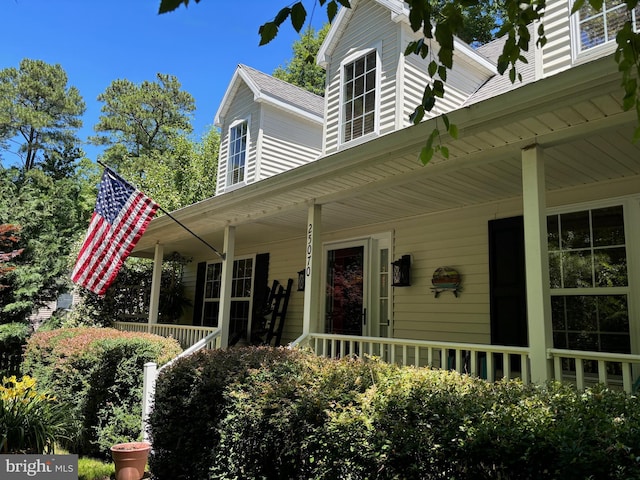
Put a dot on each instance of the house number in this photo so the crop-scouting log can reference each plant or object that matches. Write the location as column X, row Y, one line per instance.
column 309, row 249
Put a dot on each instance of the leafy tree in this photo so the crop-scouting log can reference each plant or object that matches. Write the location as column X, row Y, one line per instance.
column 40, row 114
column 301, row 69
column 8, row 237
column 142, row 119
column 146, row 128
column 52, row 213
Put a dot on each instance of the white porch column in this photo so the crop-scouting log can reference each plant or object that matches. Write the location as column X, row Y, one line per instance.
column 224, row 314
column 536, row 262
column 156, row 278
column 313, row 259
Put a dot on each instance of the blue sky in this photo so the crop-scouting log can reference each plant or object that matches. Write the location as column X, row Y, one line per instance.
column 97, row 41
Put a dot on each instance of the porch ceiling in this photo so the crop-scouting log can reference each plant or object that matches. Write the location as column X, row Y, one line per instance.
column 579, row 123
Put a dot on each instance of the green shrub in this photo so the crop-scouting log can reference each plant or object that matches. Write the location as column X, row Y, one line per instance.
column 31, row 420
column 99, row 372
column 13, row 337
column 273, row 413
column 94, row 469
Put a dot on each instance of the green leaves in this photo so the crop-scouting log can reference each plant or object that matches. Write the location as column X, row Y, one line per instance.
column 627, row 57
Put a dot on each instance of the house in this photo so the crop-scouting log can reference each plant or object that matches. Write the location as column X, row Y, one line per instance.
column 522, row 247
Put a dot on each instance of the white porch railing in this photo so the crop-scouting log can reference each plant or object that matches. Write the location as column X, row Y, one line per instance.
column 583, row 368
column 491, row 362
column 151, row 372
column 186, row 335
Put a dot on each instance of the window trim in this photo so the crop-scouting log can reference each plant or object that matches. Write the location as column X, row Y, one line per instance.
column 631, row 212
column 228, row 174
column 342, row 143
column 249, row 299
column 583, row 56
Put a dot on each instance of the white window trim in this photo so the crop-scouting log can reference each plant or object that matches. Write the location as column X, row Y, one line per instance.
column 206, row 299
column 584, row 56
column 377, row 47
column 631, row 209
column 228, row 185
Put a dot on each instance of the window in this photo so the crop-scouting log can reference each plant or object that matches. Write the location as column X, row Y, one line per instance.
column 599, row 27
column 241, row 287
column 589, row 281
column 237, row 153
column 359, row 97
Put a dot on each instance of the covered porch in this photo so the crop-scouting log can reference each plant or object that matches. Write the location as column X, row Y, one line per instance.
column 532, row 152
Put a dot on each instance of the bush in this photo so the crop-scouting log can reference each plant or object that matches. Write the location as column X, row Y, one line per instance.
column 274, row 413
column 13, row 336
column 31, row 421
column 99, row 373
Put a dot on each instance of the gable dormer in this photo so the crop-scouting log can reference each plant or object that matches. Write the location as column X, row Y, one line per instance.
column 582, row 37
column 267, row 126
column 372, row 87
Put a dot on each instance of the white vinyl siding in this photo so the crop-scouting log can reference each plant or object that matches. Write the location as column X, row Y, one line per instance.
column 556, row 54
column 243, row 108
column 287, row 142
column 370, row 27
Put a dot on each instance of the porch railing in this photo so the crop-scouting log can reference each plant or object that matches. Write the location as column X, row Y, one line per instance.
column 151, row 372
column 186, row 335
column 491, row 362
column 585, row 368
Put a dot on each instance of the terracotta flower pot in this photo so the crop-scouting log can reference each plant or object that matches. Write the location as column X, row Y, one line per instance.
column 130, row 459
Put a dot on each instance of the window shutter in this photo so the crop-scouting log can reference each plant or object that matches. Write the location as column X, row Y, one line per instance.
column 261, row 281
column 199, row 297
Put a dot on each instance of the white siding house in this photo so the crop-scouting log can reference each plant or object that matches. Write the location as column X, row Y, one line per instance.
column 533, row 219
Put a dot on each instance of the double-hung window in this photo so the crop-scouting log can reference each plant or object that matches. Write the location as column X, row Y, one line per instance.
column 359, row 91
column 597, row 27
column 238, row 136
column 241, row 288
column 589, row 280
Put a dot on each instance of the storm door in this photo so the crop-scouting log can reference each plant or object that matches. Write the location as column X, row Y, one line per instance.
column 346, row 288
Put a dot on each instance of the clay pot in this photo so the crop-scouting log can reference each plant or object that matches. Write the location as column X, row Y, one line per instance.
column 130, row 459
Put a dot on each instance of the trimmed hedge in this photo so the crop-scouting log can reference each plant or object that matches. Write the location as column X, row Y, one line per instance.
column 277, row 413
column 99, row 373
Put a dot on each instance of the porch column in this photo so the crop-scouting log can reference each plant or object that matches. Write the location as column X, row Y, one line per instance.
column 224, row 314
column 536, row 262
column 156, row 278
column 313, row 257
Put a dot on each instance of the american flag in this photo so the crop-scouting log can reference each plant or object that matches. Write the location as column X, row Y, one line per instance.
column 119, row 219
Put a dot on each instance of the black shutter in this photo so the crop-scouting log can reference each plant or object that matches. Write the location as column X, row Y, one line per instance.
column 507, row 282
column 261, row 282
column 199, row 296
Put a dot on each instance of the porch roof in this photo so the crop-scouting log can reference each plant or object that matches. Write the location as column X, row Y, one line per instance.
column 576, row 116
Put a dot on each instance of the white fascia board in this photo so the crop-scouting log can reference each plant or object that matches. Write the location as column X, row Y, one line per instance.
column 226, row 99
column 473, row 56
column 276, row 102
column 326, row 49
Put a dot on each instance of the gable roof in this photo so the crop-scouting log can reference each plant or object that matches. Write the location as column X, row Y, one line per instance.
column 499, row 84
column 272, row 91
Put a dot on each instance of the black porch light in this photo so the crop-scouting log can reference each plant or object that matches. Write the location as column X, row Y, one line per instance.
column 401, row 270
column 301, row 275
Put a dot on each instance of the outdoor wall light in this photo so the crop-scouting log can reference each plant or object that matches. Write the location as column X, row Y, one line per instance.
column 401, row 271
column 301, row 275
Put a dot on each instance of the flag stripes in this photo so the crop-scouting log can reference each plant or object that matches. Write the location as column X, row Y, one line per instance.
column 120, row 218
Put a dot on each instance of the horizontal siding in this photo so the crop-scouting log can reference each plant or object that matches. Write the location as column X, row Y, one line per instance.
column 287, row 142
column 369, row 24
column 242, row 106
column 556, row 54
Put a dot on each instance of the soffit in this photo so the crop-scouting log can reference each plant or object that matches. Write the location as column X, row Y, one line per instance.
column 583, row 131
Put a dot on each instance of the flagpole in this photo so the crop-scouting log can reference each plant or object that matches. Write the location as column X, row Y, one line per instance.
column 221, row 255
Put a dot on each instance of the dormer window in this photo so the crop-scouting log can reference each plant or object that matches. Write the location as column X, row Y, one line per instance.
column 237, row 153
column 359, row 96
column 597, row 27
